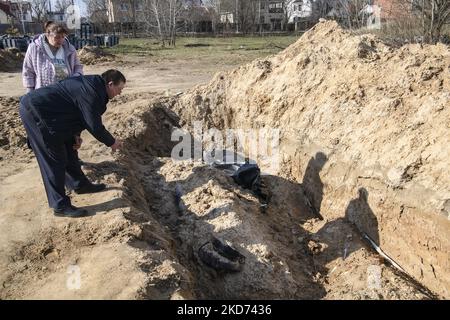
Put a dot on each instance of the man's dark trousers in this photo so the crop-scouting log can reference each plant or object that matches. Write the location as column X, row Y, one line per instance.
column 58, row 161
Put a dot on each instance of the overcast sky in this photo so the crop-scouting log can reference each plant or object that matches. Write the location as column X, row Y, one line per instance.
column 82, row 6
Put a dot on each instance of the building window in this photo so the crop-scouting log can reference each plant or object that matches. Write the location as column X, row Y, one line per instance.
column 226, row 18
column 276, row 7
column 124, row 6
column 276, row 24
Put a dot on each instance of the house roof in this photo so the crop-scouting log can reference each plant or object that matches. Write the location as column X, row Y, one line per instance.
column 6, row 9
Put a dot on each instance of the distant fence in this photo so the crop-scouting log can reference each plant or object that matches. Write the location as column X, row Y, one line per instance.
column 22, row 43
column 104, row 40
column 85, row 36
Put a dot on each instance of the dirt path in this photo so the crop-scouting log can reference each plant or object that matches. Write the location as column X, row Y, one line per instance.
column 143, row 75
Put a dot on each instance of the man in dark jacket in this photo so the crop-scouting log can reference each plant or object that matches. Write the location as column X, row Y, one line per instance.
column 53, row 116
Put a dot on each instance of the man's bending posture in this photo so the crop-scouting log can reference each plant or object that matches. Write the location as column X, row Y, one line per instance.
column 53, row 116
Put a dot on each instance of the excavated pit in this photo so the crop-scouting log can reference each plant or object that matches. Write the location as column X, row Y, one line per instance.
column 289, row 252
column 364, row 128
column 363, row 142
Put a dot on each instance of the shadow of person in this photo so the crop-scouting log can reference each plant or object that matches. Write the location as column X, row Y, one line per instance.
column 343, row 236
column 360, row 214
column 105, row 207
column 312, row 184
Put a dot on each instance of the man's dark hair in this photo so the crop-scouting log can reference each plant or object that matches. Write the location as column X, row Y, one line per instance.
column 113, row 75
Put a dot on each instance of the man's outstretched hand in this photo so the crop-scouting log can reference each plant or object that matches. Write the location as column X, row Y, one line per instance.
column 78, row 142
column 117, row 145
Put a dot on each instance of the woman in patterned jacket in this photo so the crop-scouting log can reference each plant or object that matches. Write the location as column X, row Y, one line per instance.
column 50, row 58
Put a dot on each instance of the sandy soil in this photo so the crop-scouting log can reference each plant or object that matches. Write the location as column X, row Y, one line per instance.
column 136, row 244
column 364, row 128
column 144, row 234
column 39, row 252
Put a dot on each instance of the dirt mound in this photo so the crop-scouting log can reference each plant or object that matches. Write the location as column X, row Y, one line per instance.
column 13, row 142
column 93, row 55
column 11, row 59
column 363, row 126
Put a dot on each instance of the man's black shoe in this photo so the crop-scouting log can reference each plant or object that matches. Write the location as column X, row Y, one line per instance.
column 90, row 188
column 70, row 212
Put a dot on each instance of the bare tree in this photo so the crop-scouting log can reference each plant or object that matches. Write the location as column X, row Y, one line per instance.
column 213, row 10
column 349, row 12
column 415, row 20
column 231, row 8
column 133, row 20
column 160, row 18
column 288, row 10
column 194, row 14
column 434, row 15
column 245, row 13
column 128, row 17
column 39, row 9
column 62, row 5
column 321, row 8
column 248, row 15
column 97, row 12
column 405, row 19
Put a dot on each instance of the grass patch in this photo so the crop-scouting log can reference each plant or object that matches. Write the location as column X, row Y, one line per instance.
column 211, row 48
